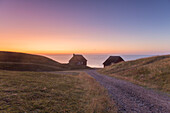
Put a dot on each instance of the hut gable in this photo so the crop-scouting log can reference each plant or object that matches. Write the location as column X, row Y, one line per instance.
column 78, row 60
column 112, row 59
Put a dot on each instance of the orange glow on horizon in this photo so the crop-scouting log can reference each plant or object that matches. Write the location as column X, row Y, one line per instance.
column 82, row 52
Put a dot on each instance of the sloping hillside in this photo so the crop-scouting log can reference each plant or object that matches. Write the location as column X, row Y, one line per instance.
column 26, row 58
column 153, row 72
column 27, row 62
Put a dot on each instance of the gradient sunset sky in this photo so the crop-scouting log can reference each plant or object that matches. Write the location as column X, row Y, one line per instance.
column 85, row 26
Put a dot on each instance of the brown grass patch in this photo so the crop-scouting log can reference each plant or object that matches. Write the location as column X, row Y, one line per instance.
column 100, row 101
column 48, row 92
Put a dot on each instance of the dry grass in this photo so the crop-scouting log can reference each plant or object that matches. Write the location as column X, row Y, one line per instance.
column 48, row 92
column 153, row 72
column 99, row 101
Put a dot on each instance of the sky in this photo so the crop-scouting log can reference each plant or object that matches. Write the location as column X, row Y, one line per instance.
column 85, row 26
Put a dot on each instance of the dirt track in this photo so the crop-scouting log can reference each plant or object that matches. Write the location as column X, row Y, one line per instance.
column 132, row 98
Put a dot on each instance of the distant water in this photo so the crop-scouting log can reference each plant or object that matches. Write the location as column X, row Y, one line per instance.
column 94, row 60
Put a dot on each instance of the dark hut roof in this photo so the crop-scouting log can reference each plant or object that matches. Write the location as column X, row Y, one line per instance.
column 113, row 59
column 77, row 58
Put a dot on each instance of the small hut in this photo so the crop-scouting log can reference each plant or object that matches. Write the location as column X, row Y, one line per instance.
column 78, row 60
column 112, row 60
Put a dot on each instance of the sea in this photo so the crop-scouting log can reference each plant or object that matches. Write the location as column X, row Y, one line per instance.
column 94, row 60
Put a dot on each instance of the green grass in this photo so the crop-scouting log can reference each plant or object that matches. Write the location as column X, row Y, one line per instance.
column 49, row 92
column 152, row 72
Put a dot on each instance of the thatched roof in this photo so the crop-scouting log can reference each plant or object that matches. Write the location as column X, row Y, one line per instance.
column 77, row 58
column 113, row 59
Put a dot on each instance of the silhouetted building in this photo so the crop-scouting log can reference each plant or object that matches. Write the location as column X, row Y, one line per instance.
column 112, row 60
column 78, row 60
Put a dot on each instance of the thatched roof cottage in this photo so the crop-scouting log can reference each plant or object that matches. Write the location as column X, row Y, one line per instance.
column 113, row 59
column 78, row 60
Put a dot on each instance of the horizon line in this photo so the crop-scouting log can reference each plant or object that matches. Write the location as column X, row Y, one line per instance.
column 109, row 53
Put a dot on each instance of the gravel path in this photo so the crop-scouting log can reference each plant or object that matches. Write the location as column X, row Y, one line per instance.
column 132, row 98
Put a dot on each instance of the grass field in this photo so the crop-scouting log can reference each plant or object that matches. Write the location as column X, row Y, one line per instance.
column 152, row 72
column 49, row 92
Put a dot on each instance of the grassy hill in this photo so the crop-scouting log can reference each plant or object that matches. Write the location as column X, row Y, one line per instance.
column 153, row 72
column 26, row 58
column 27, row 62
column 37, row 92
